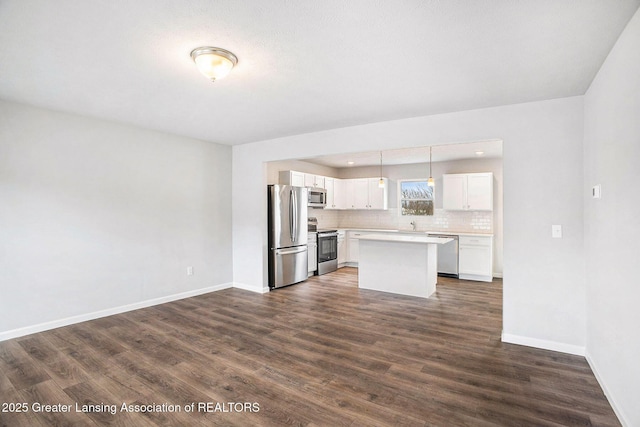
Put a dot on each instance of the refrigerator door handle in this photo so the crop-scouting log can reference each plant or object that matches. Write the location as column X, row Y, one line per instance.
column 290, row 251
column 293, row 217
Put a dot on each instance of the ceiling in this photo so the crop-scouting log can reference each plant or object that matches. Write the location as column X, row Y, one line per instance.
column 305, row 65
column 404, row 156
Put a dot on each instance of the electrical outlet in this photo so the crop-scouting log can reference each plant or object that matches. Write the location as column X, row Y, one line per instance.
column 556, row 231
column 189, row 271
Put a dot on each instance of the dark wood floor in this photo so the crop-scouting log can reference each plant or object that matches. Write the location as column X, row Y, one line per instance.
column 321, row 353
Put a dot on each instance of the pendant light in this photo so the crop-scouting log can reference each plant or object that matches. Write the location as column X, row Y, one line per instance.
column 381, row 182
column 430, row 181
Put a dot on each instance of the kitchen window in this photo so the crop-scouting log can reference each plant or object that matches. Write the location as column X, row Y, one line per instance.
column 415, row 197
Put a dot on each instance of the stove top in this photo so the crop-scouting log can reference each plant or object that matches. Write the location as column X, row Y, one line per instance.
column 327, row 230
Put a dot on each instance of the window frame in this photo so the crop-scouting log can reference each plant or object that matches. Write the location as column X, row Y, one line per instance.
column 400, row 198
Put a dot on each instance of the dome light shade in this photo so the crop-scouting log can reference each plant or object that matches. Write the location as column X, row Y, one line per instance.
column 213, row 62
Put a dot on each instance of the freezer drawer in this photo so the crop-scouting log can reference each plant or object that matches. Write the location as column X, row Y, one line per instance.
column 287, row 266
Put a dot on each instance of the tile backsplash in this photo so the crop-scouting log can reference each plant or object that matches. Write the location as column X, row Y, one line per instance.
column 441, row 220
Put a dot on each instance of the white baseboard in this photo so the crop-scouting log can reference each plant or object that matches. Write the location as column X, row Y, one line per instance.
column 619, row 413
column 497, row 275
column 260, row 290
column 475, row 277
column 40, row 327
column 543, row 344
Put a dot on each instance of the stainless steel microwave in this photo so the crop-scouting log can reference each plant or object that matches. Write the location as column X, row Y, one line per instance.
column 317, row 197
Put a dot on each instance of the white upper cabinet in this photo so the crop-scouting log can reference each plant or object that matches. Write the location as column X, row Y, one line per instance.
column 360, row 193
column 469, row 191
column 315, row 181
column 480, row 191
column 292, row 178
column 378, row 196
column 335, row 193
column 301, row 179
column 364, row 193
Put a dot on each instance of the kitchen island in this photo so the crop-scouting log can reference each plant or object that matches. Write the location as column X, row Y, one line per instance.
column 399, row 264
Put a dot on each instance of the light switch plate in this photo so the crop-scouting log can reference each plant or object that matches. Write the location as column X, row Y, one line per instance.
column 596, row 191
column 556, row 231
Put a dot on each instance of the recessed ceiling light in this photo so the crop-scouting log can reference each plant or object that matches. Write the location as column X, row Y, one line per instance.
column 351, row 163
column 479, row 153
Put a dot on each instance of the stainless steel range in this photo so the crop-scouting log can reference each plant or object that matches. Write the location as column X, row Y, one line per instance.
column 327, row 251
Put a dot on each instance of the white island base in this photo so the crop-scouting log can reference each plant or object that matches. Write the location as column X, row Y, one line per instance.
column 406, row 265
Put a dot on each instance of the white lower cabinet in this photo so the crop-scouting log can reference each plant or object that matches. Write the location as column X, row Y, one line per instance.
column 476, row 258
column 354, row 247
column 342, row 248
column 312, row 253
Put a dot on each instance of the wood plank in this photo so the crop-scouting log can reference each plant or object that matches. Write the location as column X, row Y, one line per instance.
column 322, row 352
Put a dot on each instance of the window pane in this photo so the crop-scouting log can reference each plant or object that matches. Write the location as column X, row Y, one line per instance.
column 416, row 190
column 417, row 207
column 416, row 198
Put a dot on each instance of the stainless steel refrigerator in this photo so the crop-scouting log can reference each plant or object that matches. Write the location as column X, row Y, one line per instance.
column 287, row 207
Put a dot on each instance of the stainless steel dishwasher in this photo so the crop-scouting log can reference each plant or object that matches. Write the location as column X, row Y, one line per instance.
column 448, row 256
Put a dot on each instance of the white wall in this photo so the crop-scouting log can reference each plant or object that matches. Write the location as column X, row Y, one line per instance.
column 96, row 216
column 612, row 225
column 544, row 290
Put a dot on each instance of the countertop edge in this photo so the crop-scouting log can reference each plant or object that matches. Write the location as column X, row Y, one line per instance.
column 382, row 230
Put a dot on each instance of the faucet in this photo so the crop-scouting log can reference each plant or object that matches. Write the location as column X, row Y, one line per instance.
column 414, row 225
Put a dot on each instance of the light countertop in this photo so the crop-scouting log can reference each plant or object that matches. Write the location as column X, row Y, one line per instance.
column 403, row 238
column 419, row 232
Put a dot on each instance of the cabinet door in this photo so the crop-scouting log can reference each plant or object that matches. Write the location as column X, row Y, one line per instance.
column 309, row 180
column 312, row 253
column 475, row 260
column 296, row 179
column 361, row 193
column 480, row 191
column 334, row 193
column 354, row 249
column 377, row 195
column 342, row 249
column 329, row 185
column 454, row 188
column 339, row 196
column 348, row 185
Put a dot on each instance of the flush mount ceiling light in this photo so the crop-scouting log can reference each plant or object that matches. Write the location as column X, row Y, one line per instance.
column 213, row 62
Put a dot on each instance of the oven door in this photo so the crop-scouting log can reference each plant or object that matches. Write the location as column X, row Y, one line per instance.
column 327, row 247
